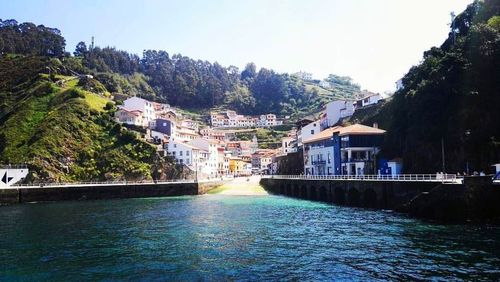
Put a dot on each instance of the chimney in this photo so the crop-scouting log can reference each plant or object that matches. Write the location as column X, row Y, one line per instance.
column 375, row 124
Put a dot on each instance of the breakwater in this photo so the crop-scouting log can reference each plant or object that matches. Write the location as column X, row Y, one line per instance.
column 475, row 199
column 14, row 195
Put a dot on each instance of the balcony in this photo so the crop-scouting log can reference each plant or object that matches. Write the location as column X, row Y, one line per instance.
column 356, row 160
column 320, row 162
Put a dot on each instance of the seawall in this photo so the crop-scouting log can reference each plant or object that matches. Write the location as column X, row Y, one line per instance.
column 477, row 199
column 97, row 192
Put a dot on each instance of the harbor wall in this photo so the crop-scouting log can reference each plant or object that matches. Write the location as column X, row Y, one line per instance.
column 97, row 192
column 473, row 200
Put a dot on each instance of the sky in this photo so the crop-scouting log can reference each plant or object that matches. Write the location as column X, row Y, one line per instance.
column 373, row 41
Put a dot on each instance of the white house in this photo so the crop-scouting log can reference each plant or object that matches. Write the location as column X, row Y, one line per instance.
column 288, row 145
column 146, row 107
column 211, row 146
column 193, row 157
column 310, row 129
column 336, row 110
column 132, row 117
column 369, row 99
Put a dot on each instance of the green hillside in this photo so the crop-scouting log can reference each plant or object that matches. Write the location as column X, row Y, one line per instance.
column 63, row 132
column 452, row 98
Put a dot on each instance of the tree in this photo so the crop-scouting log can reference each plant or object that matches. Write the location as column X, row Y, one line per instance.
column 250, row 72
column 80, row 50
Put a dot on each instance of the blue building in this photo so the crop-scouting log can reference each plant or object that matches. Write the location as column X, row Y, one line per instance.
column 355, row 148
column 164, row 126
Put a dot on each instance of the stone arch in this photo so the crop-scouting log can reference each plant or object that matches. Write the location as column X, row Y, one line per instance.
column 370, row 198
column 339, row 196
column 353, row 197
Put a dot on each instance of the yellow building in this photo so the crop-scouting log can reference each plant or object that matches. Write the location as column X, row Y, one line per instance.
column 238, row 167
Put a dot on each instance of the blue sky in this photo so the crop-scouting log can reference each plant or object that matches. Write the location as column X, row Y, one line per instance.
column 373, row 41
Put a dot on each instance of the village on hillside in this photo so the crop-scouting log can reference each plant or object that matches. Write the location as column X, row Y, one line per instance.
column 312, row 147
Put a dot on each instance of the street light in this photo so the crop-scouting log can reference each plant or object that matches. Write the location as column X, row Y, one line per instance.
column 467, row 136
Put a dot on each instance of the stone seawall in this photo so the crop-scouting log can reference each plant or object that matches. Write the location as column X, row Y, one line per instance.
column 96, row 192
column 473, row 200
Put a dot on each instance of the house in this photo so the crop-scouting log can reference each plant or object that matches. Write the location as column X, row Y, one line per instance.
column 318, row 153
column 325, row 84
column 211, row 146
column 310, row 129
column 335, row 111
column 238, row 167
column 222, row 161
column 288, row 145
column 303, row 75
column 242, row 147
column 185, row 154
column 369, row 99
column 209, row 133
column 261, row 159
column 146, row 107
column 233, row 119
column 355, row 148
column 132, row 117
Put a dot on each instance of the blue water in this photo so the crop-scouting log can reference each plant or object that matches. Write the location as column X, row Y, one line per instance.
column 216, row 237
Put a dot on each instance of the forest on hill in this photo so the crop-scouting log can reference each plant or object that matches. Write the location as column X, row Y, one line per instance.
column 179, row 80
column 450, row 101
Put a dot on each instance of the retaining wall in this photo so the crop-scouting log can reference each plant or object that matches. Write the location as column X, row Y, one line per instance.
column 474, row 200
column 46, row 194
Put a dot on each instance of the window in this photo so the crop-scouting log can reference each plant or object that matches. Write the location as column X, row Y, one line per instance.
column 175, row 145
column 312, row 131
column 180, row 153
column 187, row 153
column 329, row 161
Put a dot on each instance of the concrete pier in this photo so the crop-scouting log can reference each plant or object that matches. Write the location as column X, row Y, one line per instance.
column 476, row 199
column 14, row 195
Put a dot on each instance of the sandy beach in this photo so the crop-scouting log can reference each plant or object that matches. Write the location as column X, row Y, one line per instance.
column 243, row 186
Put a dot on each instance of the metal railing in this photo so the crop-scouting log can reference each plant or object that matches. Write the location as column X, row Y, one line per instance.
column 17, row 166
column 448, row 178
column 113, row 183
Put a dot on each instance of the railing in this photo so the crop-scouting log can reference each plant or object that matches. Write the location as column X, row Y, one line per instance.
column 116, row 183
column 18, row 166
column 449, row 178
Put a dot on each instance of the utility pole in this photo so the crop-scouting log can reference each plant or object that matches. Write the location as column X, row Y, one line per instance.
column 442, row 154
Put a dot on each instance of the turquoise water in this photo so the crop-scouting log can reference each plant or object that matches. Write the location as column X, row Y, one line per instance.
column 215, row 237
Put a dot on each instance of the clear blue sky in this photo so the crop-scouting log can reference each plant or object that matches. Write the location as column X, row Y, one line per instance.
column 373, row 41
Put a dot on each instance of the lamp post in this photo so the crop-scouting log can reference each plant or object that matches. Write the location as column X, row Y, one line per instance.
column 467, row 136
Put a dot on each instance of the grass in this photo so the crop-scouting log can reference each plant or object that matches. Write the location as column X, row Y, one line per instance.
column 65, row 134
column 95, row 101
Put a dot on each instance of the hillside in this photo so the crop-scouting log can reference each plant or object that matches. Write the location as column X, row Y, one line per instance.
column 64, row 132
column 452, row 97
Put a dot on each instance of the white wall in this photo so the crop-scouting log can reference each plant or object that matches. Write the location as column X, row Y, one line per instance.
column 136, row 103
column 310, row 129
column 10, row 176
column 338, row 109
